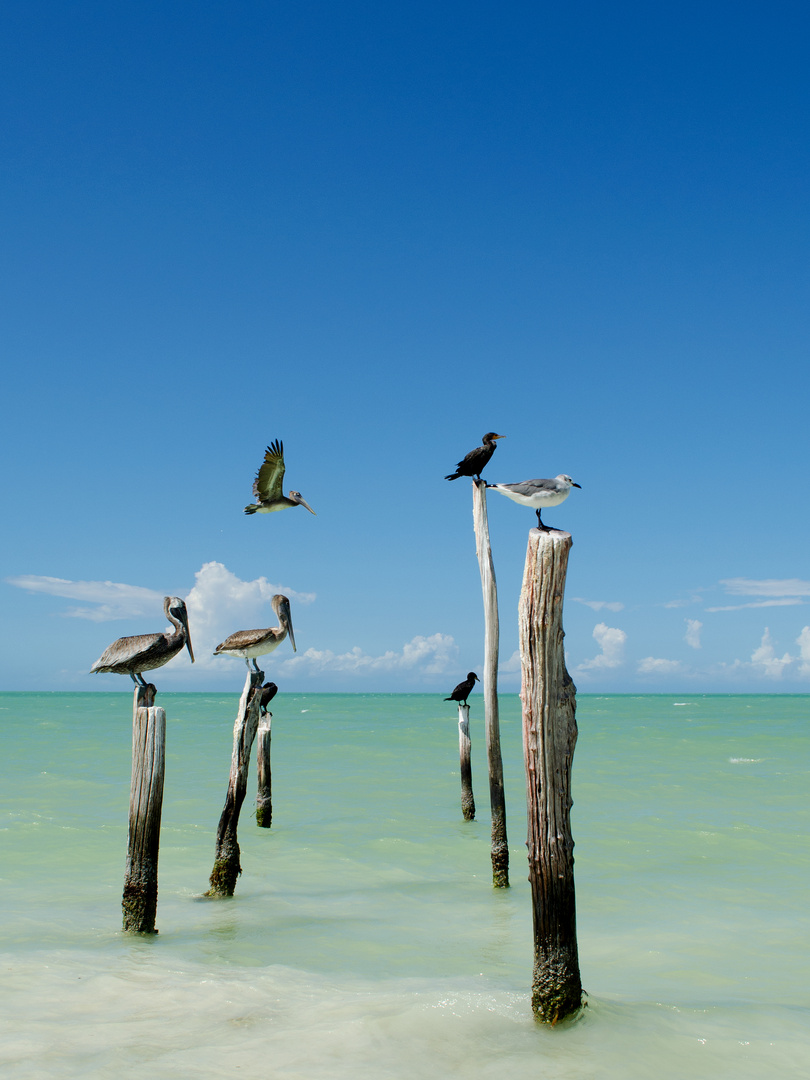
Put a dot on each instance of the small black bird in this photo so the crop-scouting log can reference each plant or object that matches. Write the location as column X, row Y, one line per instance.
column 472, row 464
column 269, row 691
column 464, row 689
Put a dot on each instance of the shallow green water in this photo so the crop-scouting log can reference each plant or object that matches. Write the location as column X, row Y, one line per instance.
column 365, row 939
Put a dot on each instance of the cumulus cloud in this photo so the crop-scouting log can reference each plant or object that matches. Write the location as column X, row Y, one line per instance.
column 803, row 641
column 433, row 655
column 651, row 665
column 112, row 599
column 221, row 603
column 773, row 592
column 692, row 635
column 599, row 605
column 512, row 665
column 611, row 641
column 765, row 660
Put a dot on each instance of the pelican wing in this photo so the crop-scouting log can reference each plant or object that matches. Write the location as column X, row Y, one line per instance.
column 270, row 476
column 127, row 649
column 242, row 639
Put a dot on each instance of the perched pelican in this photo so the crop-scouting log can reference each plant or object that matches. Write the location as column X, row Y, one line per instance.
column 269, row 691
column 267, row 485
column 464, row 689
column 252, row 643
column 472, row 464
column 134, row 655
column 538, row 493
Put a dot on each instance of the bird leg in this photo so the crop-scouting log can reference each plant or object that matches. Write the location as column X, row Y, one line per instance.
column 256, row 667
column 139, row 681
column 540, row 525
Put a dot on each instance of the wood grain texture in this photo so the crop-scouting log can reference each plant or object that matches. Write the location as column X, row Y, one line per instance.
column 497, row 799
column 227, row 865
column 264, row 796
column 145, row 806
column 549, row 737
column 465, row 764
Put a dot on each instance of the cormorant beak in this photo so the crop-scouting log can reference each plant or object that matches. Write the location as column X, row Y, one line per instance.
column 498, row 437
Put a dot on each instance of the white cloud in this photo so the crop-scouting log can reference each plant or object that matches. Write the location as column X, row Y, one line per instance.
column 611, row 641
column 433, row 655
column 766, row 587
column 113, row 600
column 693, row 599
column 765, row 659
column 598, row 605
column 512, row 665
column 220, row 603
column 692, row 635
column 803, row 641
column 651, row 665
column 787, row 602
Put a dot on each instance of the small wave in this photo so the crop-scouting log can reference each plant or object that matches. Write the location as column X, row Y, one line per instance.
column 305, row 710
column 746, row 760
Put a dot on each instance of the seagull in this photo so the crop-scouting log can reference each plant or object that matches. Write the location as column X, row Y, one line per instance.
column 538, row 493
column 252, row 643
column 472, row 464
column 464, row 689
column 269, row 691
column 145, row 652
column 267, row 485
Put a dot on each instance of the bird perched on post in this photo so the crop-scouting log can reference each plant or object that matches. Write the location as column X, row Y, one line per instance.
column 538, row 494
column 464, row 689
column 472, row 464
column 252, row 643
column 267, row 485
column 145, row 652
column 269, row 691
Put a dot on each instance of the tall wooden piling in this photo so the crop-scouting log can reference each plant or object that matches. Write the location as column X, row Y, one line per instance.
column 500, row 846
column 145, row 805
column 549, row 736
column 264, row 797
column 227, row 866
column 464, row 747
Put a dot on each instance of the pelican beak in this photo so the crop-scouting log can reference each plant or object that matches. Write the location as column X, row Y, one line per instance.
column 306, row 504
column 188, row 639
column 285, row 619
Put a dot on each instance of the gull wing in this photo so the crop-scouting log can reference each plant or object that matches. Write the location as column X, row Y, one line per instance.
column 270, row 476
column 533, row 487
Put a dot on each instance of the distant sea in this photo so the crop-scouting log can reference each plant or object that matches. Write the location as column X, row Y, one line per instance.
column 365, row 940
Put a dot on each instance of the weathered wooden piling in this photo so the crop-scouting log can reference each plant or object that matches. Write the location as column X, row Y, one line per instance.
column 264, row 797
column 549, row 736
column 464, row 747
column 500, row 846
column 227, row 866
column 145, row 804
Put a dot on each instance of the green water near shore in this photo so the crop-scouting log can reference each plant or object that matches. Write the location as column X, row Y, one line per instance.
column 365, row 938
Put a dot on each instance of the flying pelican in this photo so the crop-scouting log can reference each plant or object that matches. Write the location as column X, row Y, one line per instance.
column 538, row 493
column 145, row 652
column 472, row 464
column 269, row 691
column 267, row 485
column 464, row 689
column 252, row 643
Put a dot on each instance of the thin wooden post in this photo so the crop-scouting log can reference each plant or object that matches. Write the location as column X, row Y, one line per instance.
column 464, row 746
column 227, row 867
column 264, row 798
column 145, row 804
column 549, row 736
column 500, row 846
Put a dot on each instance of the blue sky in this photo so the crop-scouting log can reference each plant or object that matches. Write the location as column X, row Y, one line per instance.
column 376, row 232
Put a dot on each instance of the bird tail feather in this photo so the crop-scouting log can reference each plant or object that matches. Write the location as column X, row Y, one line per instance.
column 252, row 509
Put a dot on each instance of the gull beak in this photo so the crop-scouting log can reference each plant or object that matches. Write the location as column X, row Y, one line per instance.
column 577, row 485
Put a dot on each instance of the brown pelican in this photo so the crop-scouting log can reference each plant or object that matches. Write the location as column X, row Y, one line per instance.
column 252, row 643
column 464, row 689
column 267, row 485
column 269, row 691
column 145, row 652
column 472, row 464
column 538, row 493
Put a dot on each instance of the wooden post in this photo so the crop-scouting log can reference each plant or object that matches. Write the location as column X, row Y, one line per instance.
column 467, row 797
column 500, row 846
column 227, row 867
column 549, row 736
column 145, row 805
column 264, row 798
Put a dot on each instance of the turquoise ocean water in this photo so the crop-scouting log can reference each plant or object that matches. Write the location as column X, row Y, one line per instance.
column 365, row 939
